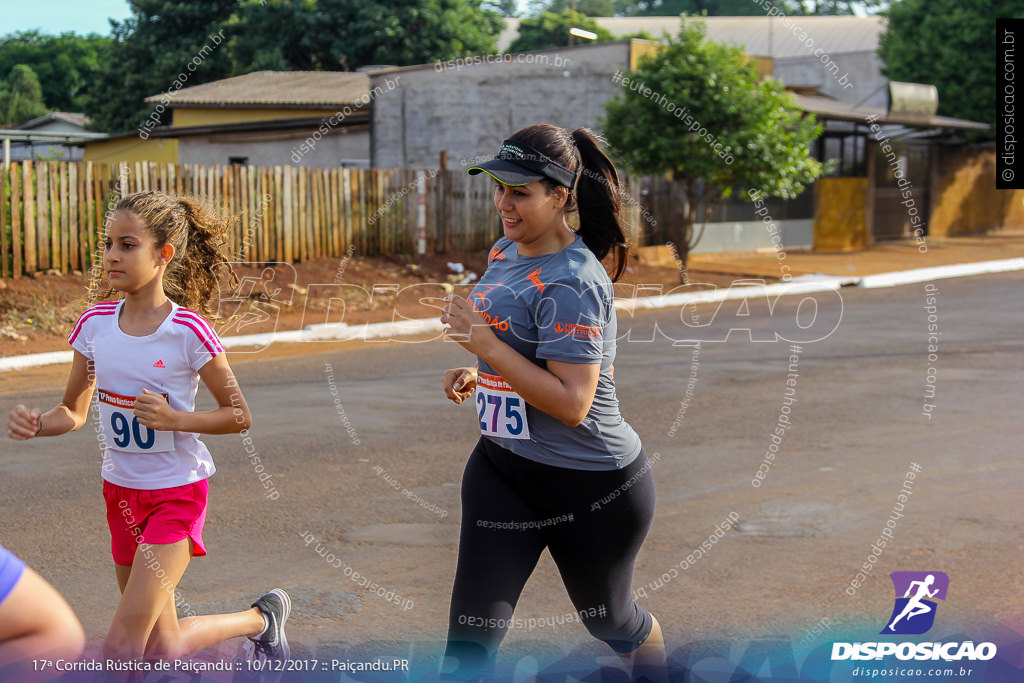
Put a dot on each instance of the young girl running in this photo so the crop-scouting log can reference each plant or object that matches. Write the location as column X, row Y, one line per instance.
column 145, row 355
column 553, row 445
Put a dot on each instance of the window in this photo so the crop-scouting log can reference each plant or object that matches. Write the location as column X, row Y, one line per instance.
column 239, row 161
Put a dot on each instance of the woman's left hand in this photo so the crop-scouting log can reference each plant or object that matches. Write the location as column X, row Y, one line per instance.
column 154, row 412
column 467, row 326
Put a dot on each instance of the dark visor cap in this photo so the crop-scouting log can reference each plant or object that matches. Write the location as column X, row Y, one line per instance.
column 517, row 164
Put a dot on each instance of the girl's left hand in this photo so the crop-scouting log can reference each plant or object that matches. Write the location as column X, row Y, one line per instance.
column 467, row 326
column 154, row 412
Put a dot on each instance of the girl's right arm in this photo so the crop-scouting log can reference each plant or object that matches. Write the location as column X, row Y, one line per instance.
column 68, row 416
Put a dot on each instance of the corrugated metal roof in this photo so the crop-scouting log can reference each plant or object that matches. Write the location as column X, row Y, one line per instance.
column 834, row 109
column 73, row 118
column 759, row 36
column 277, row 88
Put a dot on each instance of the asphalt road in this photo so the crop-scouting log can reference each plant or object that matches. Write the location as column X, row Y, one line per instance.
column 366, row 458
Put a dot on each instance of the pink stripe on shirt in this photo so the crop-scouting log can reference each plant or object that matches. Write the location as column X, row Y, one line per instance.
column 201, row 329
column 98, row 309
column 200, row 321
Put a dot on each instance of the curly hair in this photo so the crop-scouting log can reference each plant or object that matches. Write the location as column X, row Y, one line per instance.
column 199, row 236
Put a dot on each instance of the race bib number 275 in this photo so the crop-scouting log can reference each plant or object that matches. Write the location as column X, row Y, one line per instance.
column 501, row 411
column 122, row 428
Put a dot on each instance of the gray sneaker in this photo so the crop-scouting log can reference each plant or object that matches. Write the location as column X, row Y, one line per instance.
column 272, row 644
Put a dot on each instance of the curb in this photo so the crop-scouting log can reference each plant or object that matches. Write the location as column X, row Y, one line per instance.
column 906, row 277
column 740, row 289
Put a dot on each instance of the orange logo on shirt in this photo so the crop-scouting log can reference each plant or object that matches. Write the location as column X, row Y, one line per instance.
column 533, row 277
column 495, row 254
column 577, row 330
column 482, row 295
column 491, row 320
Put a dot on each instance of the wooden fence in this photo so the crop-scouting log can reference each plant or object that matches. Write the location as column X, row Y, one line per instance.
column 52, row 213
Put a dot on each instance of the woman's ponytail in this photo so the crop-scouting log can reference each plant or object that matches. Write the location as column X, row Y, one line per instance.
column 597, row 200
column 596, row 194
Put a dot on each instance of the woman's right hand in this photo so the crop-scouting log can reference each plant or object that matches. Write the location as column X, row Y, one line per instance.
column 22, row 423
column 459, row 383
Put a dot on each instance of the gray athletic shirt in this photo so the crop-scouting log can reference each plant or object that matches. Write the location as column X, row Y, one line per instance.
column 558, row 307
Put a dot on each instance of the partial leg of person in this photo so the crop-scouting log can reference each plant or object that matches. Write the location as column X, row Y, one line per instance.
column 497, row 554
column 146, row 622
column 151, row 579
column 36, row 621
column 649, row 661
column 595, row 555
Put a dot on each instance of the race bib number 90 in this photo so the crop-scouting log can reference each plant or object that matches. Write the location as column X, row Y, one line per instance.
column 502, row 412
column 122, row 428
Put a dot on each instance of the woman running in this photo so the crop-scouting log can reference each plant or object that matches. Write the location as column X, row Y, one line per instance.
column 146, row 353
column 553, row 444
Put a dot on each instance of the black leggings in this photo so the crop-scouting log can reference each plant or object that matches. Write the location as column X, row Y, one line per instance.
column 593, row 523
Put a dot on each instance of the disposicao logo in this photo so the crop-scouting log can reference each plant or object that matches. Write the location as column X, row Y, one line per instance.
column 913, row 613
column 914, row 610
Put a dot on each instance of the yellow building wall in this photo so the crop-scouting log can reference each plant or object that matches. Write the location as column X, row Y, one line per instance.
column 765, row 66
column 639, row 48
column 160, row 150
column 840, row 214
column 212, row 116
column 966, row 199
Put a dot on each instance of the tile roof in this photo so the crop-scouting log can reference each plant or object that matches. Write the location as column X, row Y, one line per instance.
column 314, row 89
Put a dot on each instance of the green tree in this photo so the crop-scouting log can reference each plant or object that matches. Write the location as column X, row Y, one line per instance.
column 67, row 65
column 164, row 43
column 698, row 112
column 21, row 96
column 152, row 51
column 343, row 35
column 831, row 7
column 552, row 30
column 949, row 44
column 506, row 8
column 280, row 36
column 404, row 32
column 591, row 8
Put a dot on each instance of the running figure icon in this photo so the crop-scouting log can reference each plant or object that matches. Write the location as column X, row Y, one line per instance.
column 915, row 607
column 917, row 595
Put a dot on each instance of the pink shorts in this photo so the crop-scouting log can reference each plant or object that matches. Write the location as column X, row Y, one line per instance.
column 156, row 517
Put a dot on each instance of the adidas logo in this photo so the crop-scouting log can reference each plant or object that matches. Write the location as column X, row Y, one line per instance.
column 158, row 364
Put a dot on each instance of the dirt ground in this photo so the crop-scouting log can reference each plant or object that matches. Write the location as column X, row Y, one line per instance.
column 36, row 313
